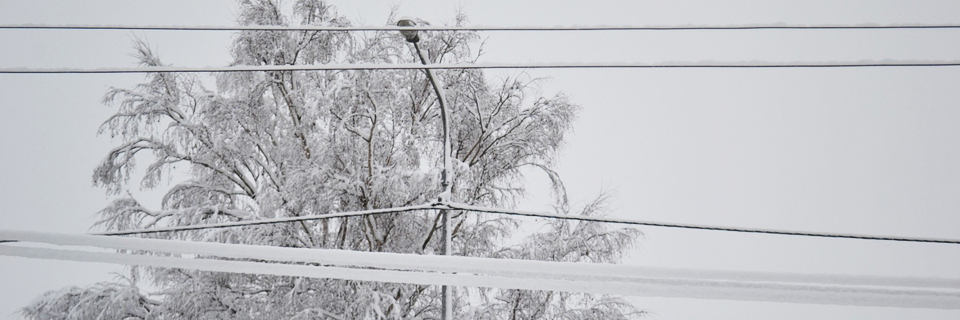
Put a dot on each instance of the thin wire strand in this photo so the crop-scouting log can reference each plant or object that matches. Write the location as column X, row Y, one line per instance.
column 269, row 221
column 778, row 26
column 460, row 206
column 492, row 65
column 465, row 207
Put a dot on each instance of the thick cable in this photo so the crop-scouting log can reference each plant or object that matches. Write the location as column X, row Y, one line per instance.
column 449, row 264
column 774, row 26
column 653, row 286
column 492, row 65
column 465, row 207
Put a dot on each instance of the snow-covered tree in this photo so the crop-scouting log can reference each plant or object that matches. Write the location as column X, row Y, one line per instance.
column 277, row 144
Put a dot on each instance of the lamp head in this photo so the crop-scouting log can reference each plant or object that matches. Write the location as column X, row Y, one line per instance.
column 410, row 35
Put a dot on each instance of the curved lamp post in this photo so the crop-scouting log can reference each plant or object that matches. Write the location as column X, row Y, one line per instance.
column 413, row 37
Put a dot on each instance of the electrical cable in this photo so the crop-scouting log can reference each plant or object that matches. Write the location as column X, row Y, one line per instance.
column 775, row 26
column 698, row 286
column 460, row 206
column 269, row 221
column 465, row 207
column 443, row 263
column 547, row 65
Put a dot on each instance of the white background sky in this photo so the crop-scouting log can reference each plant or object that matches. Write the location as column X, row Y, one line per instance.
column 872, row 151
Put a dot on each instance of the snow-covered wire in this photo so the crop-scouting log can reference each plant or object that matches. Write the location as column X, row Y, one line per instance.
column 773, row 26
column 495, row 65
column 440, row 263
column 460, row 206
column 270, row 221
column 661, row 286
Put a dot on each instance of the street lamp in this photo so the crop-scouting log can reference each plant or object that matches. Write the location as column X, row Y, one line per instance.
column 413, row 37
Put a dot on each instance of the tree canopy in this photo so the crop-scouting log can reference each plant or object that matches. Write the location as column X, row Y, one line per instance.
column 278, row 144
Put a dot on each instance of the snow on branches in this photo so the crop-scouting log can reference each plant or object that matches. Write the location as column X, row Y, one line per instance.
column 293, row 143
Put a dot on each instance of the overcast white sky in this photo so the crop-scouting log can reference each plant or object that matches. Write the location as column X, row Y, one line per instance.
column 872, row 151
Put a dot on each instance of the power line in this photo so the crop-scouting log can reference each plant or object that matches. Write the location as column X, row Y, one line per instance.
column 668, row 287
column 698, row 227
column 574, row 277
column 460, row 206
column 443, row 263
column 776, row 26
column 494, row 65
column 270, row 221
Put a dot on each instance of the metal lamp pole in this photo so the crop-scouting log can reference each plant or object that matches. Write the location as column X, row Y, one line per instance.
column 445, row 175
